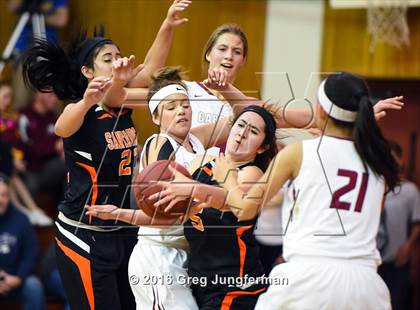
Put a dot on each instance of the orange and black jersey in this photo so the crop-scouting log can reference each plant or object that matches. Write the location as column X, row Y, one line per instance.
column 219, row 243
column 100, row 160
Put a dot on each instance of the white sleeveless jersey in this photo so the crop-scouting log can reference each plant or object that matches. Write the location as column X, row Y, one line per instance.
column 311, row 224
column 205, row 106
column 172, row 236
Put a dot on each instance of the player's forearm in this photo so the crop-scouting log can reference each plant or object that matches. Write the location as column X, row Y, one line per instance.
column 131, row 216
column 156, row 56
column 297, row 117
column 71, row 119
column 116, row 94
column 226, row 200
column 238, row 100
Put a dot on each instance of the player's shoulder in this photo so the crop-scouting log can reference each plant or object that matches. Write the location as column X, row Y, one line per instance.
column 197, row 89
column 249, row 173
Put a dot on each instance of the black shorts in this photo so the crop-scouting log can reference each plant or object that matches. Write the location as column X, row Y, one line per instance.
column 94, row 266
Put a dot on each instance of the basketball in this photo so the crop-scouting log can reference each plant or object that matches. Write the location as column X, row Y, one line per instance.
column 145, row 185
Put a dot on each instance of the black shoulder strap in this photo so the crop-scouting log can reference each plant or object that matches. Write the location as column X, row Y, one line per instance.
column 166, row 151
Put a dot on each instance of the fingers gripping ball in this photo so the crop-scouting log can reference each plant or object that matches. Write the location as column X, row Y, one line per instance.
column 145, row 185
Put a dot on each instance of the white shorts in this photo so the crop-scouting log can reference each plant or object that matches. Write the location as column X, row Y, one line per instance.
column 153, row 271
column 325, row 284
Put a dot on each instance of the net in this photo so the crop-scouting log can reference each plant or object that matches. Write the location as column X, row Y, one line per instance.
column 387, row 22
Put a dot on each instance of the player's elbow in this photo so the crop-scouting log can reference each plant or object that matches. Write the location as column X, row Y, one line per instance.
column 60, row 131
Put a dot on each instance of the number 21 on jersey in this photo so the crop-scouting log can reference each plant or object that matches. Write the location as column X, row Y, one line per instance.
column 125, row 163
column 350, row 186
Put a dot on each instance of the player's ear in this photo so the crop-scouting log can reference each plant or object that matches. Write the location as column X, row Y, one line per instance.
column 263, row 148
column 156, row 118
column 87, row 72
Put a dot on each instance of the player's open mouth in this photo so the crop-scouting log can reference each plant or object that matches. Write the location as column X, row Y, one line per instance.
column 227, row 66
column 182, row 120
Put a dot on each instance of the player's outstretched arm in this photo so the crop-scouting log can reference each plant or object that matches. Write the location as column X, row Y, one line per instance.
column 158, row 52
column 245, row 205
column 130, row 216
column 72, row 117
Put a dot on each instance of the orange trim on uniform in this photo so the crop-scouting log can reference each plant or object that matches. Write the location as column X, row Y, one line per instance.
column 105, row 115
column 242, row 248
column 229, row 297
column 208, row 170
column 83, row 264
column 94, row 178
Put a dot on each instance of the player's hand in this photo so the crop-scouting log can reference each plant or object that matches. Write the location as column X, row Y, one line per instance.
column 179, row 189
column 96, row 90
column 217, row 78
column 381, row 106
column 124, row 69
column 104, row 212
column 173, row 18
column 224, row 172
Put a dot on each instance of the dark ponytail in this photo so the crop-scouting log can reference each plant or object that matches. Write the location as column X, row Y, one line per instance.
column 47, row 67
column 373, row 148
column 351, row 93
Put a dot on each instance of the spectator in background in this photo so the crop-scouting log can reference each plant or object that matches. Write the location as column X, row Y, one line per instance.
column 401, row 224
column 51, row 277
column 18, row 256
column 43, row 149
column 56, row 17
column 9, row 134
column 6, row 159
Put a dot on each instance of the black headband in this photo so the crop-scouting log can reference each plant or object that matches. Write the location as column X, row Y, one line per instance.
column 88, row 46
column 267, row 117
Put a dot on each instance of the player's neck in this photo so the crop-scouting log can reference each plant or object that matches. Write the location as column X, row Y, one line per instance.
column 237, row 162
column 336, row 131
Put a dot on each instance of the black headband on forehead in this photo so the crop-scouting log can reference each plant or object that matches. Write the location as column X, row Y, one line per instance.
column 88, row 46
column 267, row 117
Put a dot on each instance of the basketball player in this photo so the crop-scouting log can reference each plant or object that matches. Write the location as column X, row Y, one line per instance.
column 223, row 249
column 100, row 148
column 332, row 207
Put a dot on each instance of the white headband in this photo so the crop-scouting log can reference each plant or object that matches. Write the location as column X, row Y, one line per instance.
column 164, row 92
column 332, row 109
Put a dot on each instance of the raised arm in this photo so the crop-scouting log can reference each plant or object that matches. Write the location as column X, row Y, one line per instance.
column 158, row 52
column 285, row 118
column 72, row 117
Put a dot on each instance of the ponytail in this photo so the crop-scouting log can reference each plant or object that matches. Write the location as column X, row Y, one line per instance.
column 48, row 68
column 372, row 147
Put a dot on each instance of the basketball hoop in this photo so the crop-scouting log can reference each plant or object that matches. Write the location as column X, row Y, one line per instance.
column 387, row 22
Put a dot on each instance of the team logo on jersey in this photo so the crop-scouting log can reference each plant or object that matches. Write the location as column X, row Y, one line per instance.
column 121, row 139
